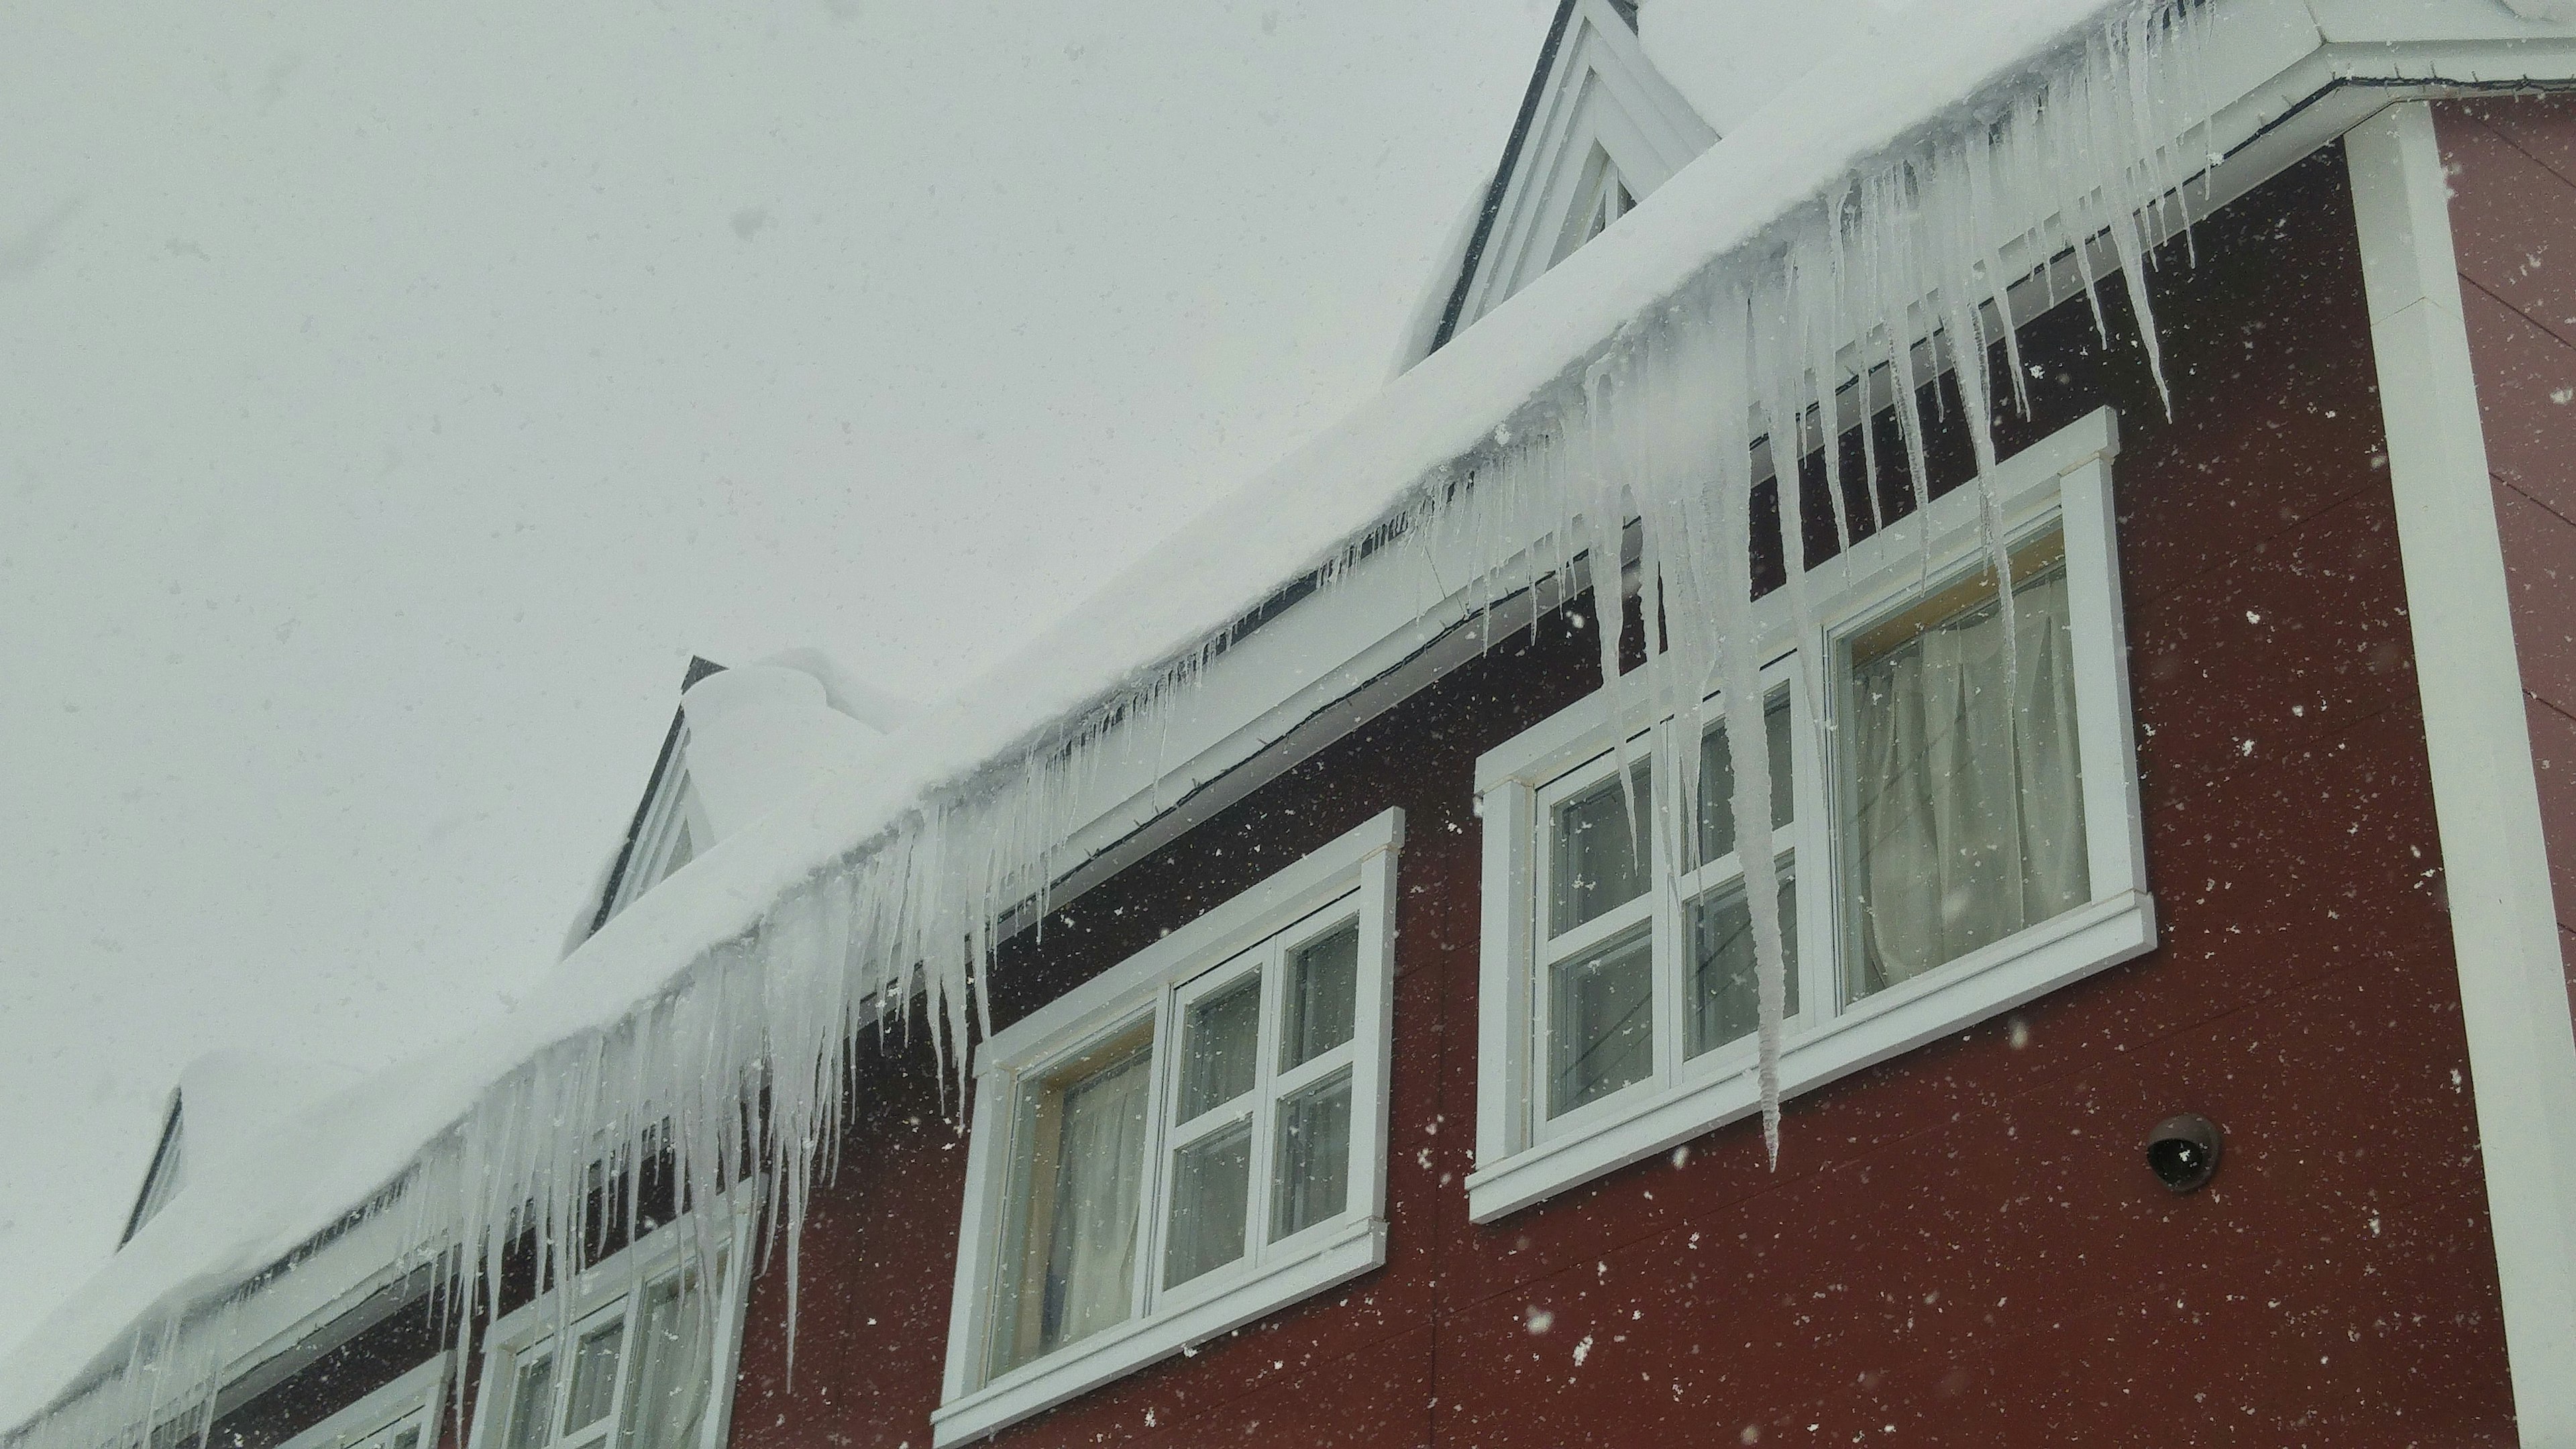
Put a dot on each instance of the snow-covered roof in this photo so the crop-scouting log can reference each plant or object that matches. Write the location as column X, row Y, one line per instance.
column 764, row 934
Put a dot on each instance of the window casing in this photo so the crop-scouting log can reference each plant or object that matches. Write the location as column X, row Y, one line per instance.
column 1190, row 1140
column 1940, row 859
column 640, row 1355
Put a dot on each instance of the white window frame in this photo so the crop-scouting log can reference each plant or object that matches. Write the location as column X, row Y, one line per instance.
column 410, row 1401
column 2063, row 483
column 615, row 1284
column 1353, row 876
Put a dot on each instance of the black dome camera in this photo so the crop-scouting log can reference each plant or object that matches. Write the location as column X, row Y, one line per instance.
column 2183, row 1151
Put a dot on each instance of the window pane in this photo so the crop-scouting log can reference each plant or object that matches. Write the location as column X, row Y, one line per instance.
column 1078, row 1167
column 532, row 1404
column 1323, row 984
column 1726, row 1001
column 1968, row 816
column 1220, row 1046
column 1314, row 1176
column 407, row 1439
column 666, row 1398
column 1211, row 1187
column 594, row 1377
column 1597, row 852
column 1717, row 782
column 1601, row 1024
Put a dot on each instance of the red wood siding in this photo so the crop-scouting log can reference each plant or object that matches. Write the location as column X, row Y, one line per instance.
column 1963, row 1245
column 2513, row 219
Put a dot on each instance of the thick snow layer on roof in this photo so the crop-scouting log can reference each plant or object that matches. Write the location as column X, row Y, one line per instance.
column 1299, row 516
column 1729, row 58
column 762, row 734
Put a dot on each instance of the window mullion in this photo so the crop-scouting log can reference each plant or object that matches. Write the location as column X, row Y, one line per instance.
column 1265, row 1093
column 1155, row 1200
column 1663, row 889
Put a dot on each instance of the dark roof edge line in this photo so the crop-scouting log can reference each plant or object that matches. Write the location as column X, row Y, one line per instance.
column 152, row 1174
column 698, row 669
column 1494, row 190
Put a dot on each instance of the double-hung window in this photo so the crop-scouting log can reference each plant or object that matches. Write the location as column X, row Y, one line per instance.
column 1954, row 831
column 1190, row 1140
column 639, row 1355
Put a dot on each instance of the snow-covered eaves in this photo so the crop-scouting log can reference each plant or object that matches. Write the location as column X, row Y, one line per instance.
column 676, row 946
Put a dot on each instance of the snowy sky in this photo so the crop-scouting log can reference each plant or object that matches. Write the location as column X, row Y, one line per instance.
column 395, row 397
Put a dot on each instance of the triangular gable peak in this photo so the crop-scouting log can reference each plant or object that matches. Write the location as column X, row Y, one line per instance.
column 669, row 827
column 161, row 1180
column 1598, row 131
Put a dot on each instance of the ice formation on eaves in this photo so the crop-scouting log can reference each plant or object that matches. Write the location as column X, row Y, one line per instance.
column 1827, row 240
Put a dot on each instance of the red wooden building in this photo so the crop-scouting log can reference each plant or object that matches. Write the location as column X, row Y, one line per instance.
column 1383, row 1060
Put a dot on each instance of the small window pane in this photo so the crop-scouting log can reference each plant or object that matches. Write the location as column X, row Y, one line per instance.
column 1968, row 803
column 1078, row 1168
column 668, row 1390
column 1323, row 986
column 1211, row 1191
column 1717, row 782
column 532, row 1404
column 594, row 1377
column 1314, row 1156
column 1598, row 852
column 407, row 1439
column 1220, row 1046
column 1726, row 1001
column 1601, row 1024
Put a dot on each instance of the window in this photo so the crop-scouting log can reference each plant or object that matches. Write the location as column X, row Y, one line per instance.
column 1951, row 837
column 640, row 1358
column 1190, row 1140
column 401, row 1415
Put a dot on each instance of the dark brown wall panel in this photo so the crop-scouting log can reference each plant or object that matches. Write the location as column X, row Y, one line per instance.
column 1963, row 1243
column 2513, row 216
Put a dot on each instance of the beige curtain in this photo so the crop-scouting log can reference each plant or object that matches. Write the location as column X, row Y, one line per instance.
column 1969, row 821
column 1091, row 1255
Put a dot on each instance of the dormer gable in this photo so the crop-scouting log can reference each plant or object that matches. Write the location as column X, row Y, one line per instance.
column 669, row 826
column 1598, row 131
column 161, row 1180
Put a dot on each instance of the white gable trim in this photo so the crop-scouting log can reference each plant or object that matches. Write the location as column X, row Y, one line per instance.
column 1599, row 92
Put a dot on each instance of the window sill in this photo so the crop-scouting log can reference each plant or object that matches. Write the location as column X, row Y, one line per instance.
column 1337, row 1256
column 1966, row 991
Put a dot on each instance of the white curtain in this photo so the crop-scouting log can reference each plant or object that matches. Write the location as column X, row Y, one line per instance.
column 674, row 1368
column 1091, row 1254
column 1970, row 813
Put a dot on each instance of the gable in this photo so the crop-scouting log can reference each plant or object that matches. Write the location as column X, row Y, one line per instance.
column 161, row 1179
column 1599, row 130
column 668, row 828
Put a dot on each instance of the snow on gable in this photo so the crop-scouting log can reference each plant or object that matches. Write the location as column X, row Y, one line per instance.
column 760, row 735
column 743, row 741
column 1599, row 129
column 221, row 1105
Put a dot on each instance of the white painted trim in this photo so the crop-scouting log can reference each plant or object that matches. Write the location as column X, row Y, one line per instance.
column 2513, row 985
column 2063, row 481
column 613, row 1281
column 419, row 1391
column 1601, row 90
column 1352, row 876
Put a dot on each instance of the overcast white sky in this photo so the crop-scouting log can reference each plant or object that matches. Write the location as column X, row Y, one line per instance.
column 391, row 400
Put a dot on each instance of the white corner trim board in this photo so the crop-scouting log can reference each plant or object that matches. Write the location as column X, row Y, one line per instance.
column 2513, row 987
